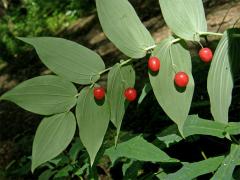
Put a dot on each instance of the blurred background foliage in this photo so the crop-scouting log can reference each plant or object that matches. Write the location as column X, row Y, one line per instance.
column 35, row 18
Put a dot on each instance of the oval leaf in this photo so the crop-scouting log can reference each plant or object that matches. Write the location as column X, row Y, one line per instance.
column 139, row 149
column 220, row 77
column 93, row 119
column 68, row 59
column 119, row 78
column 123, row 27
column 186, row 18
column 44, row 95
column 174, row 58
column 53, row 136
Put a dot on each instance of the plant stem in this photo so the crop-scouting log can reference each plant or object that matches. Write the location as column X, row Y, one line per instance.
column 210, row 33
column 203, row 155
column 121, row 64
column 149, row 48
column 105, row 70
column 175, row 40
column 126, row 62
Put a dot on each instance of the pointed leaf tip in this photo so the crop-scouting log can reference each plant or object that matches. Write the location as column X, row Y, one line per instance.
column 45, row 95
column 53, row 136
column 93, row 118
column 68, row 59
column 176, row 103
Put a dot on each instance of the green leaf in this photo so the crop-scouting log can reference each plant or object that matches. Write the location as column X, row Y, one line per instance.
column 64, row 172
column 174, row 58
column 193, row 170
column 119, row 78
column 44, row 95
column 161, row 175
column 46, row 175
column 53, row 136
column 131, row 169
column 195, row 125
column 122, row 26
column 75, row 149
column 93, row 119
column 186, row 18
column 170, row 139
column 233, row 128
column 225, row 171
column 68, row 59
column 220, row 77
column 169, row 136
column 139, row 149
column 146, row 89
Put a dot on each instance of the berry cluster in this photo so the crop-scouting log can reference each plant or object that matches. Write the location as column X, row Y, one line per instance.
column 181, row 79
column 130, row 93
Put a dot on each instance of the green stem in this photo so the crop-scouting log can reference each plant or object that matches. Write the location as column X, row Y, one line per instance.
column 105, row 70
column 176, row 40
column 210, row 33
column 121, row 64
column 203, row 155
column 150, row 48
column 126, row 62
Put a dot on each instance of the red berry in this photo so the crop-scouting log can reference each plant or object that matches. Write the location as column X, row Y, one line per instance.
column 130, row 94
column 99, row 93
column 206, row 55
column 181, row 79
column 154, row 64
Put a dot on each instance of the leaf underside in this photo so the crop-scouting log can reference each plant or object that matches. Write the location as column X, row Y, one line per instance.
column 220, row 81
column 186, row 18
column 174, row 58
column 53, row 136
column 122, row 26
column 45, row 95
column 93, row 118
column 68, row 59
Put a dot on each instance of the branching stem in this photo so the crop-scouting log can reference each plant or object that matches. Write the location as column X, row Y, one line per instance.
column 210, row 33
column 121, row 64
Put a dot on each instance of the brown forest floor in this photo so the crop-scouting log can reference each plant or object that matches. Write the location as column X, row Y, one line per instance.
column 16, row 123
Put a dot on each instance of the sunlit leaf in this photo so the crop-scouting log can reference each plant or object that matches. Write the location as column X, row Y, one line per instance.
column 225, row 171
column 122, row 26
column 170, row 139
column 53, row 136
column 68, row 59
column 174, row 58
column 195, row 125
column 186, row 18
column 93, row 118
column 44, row 95
column 169, row 136
column 119, row 79
column 193, row 170
column 146, row 89
column 220, row 78
column 233, row 128
column 139, row 149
